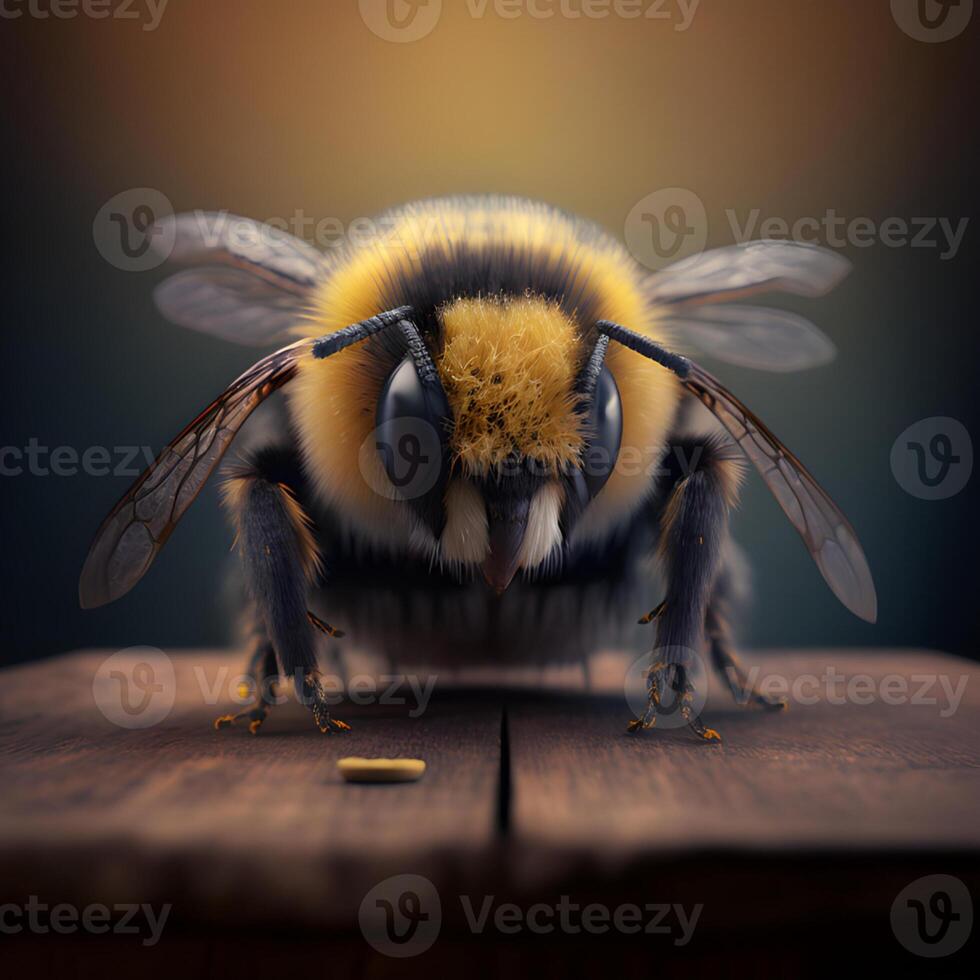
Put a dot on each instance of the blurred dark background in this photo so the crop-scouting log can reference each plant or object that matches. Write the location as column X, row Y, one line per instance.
column 790, row 107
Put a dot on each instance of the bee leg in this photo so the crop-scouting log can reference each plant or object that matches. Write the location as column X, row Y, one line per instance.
column 718, row 627
column 697, row 489
column 314, row 695
column 671, row 687
column 654, row 687
column 263, row 670
column 337, row 663
column 281, row 562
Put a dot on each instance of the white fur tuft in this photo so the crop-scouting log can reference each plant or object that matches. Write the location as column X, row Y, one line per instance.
column 543, row 533
column 465, row 538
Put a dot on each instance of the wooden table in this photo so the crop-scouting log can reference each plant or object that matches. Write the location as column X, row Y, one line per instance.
column 795, row 835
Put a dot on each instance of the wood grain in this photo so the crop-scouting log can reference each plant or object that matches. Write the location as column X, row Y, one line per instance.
column 234, row 829
column 226, row 823
column 871, row 775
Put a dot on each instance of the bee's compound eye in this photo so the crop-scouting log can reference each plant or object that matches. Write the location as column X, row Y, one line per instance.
column 410, row 438
column 605, row 429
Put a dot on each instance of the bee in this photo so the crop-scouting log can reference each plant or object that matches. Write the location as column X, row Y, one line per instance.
column 490, row 448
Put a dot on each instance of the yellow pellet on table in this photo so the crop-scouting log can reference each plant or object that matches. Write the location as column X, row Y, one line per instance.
column 358, row 770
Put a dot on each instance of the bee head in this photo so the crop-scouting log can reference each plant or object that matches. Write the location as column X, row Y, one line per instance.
column 513, row 429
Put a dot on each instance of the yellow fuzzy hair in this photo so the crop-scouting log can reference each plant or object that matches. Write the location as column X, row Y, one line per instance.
column 333, row 400
column 508, row 367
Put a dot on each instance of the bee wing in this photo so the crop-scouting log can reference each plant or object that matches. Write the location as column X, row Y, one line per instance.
column 752, row 267
column 258, row 281
column 229, row 304
column 753, row 336
column 219, row 238
column 139, row 525
column 826, row 532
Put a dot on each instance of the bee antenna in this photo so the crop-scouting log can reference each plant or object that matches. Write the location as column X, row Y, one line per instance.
column 681, row 366
column 339, row 339
column 415, row 346
column 589, row 376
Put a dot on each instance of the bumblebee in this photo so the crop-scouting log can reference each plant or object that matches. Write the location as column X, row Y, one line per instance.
column 490, row 446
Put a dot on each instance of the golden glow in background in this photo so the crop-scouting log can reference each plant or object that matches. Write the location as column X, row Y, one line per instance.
column 263, row 108
column 790, row 107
